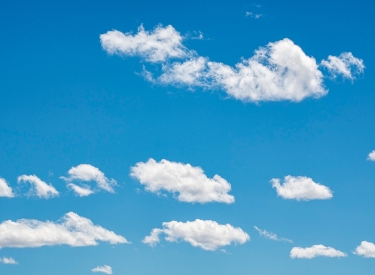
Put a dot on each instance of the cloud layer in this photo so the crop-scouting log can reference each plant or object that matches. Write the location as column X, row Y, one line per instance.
column 279, row 71
column 72, row 230
column 301, row 188
column 5, row 189
column 271, row 236
column 104, row 269
column 39, row 187
column 365, row 249
column 190, row 182
column 206, row 234
column 315, row 251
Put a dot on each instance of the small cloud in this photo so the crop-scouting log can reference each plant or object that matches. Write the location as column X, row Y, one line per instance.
column 104, row 269
column 198, row 36
column 271, row 236
column 371, row 156
column 345, row 65
column 315, row 251
column 365, row 249
column 8, row 261
column 39, row 188
column 5, row 189
column 253, row 15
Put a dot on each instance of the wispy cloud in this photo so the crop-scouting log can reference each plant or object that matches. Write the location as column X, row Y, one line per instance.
column 39, row 188
column 271, row 235
column 5, row 189
column 5, row 260
column 345, row 65
column 254, row 15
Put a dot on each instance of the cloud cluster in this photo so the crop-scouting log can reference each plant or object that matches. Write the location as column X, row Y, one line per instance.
column 271, row 236
column 190, row 182
column 5, row 260
column 365, row 249
column 371, row 156
column 5, row 189
column 279, row 71
column 72, row 230
column 104, row 269
column 39, row 188
column 301, row 188
column 315, row 251
column 87, row 173
column 206, row 234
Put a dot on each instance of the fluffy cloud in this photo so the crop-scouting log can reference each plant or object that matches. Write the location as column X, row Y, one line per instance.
column 71, row 230
column 301, row 188
column 271, row 236
column 87, row 172
column 366, row 249
column 315, row 251
column 206, row 234
column 104, row 269
column 39, row 187
column 5, row 189
column 371, row 156
column 190, row 182
column 345, row 64
column 279, row 71
column 158, row 45
column 8, row 261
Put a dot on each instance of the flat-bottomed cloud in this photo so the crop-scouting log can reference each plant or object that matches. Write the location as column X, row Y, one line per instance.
column 315, row 251
column 103, row 269
column 365, row 249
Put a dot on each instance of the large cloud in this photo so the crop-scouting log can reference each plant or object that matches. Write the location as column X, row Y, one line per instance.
column 72, row 230
column 5, row 189
column 87, row 173
column 104, row 269
column 371, row 156
column 39, row 187
column 158, row 45
column 279, row 71
column 190, row 182
column 365, row 249
column 271, row 235
column 206, row 234
column 315, row 251
column 301, row 188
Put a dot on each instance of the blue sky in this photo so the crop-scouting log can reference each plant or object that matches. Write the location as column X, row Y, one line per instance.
column 82, row 106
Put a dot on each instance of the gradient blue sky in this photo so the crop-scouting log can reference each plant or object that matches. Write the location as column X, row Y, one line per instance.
column 65, row 101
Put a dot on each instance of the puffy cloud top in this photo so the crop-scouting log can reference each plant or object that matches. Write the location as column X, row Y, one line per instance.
column 5, row 189
column 40, row 188
column 206, row 234
column 301, row 188
column 315, row 251
column 371, row 156
column 104, row 269
column 366, row 249
column 190, row 182
column 73, row 230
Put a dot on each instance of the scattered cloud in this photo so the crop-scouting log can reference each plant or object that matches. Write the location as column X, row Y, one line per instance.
column 345, row 65
column 87, row 173
column 156, row 46
column 5, row 260
column 315, row 251
column 271, row 236
column 5, row 189
column 254, row 15
column 301, row 188
column 206, row 234
column 71, row 230
column 366, row 249
column 371, row 156
column 190, row 182
column 104, row 269
column 39, row 187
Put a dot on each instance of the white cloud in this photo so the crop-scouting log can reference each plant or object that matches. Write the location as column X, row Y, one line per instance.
column 271, row 236
column 254, row 15
column 5, row 189
column 371, row 156
column 71, row 230
column 190, row 182
column 366, row 249
column 104, row 269
column 158, row 45
column 206, row 234
column 87, row 172
column 301, row 188
column 345, row 64
column 5, row 260
column 315, row 251
column 39, row 187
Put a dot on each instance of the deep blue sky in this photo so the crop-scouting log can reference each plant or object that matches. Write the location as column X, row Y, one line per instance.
column 65, row 101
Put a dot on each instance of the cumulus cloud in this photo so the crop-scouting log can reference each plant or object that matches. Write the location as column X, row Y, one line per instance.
column 345, row 65
column 206, row 234
column 315, row 251
column 366, row 249
column 72, row 230
column 39, row 187
column 371, row 156
column 87, row 173
column 158, row 45
column 104, row 269
column 190, row 182
column 271, row 236
column 5, row 189
column 5, row 260
column 301, row 188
